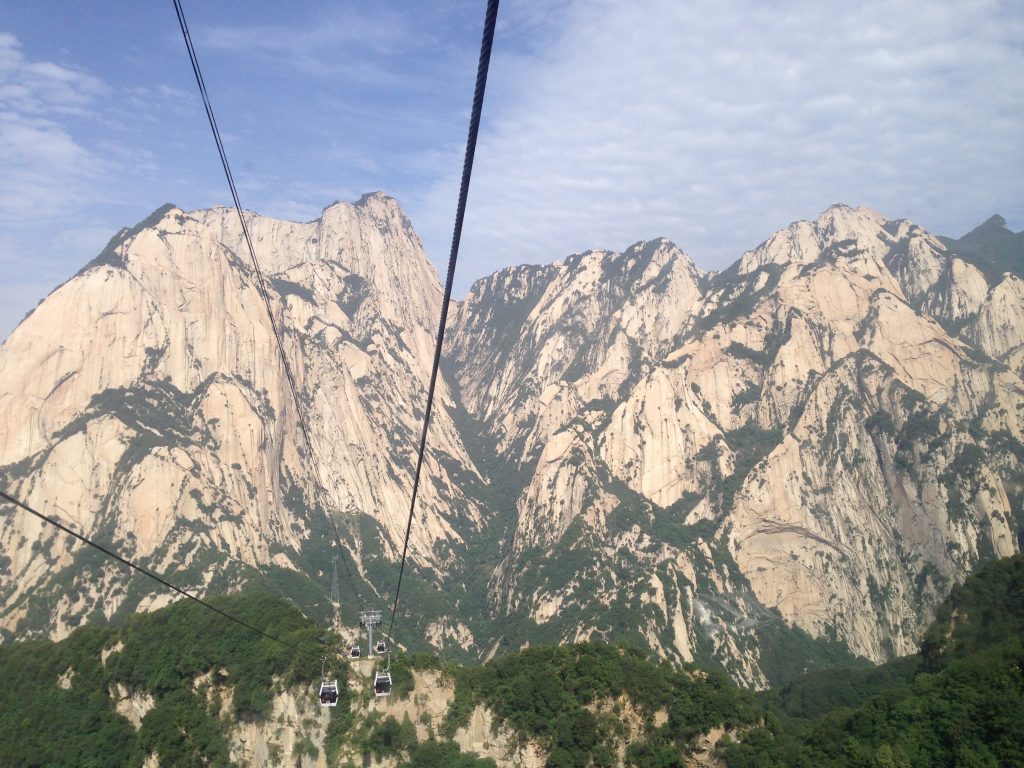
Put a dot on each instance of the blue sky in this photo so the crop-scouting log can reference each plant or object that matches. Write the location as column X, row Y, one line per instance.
column 711, row 123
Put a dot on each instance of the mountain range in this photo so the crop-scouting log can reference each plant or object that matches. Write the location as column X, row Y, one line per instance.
column 782, row 464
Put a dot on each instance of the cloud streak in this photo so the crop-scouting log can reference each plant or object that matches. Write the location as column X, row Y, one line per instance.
column 715, row 123
column 45, row 170
column 712, row 123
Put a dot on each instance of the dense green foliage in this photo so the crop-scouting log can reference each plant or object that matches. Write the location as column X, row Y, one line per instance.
column 826, row 690
column 984, row 611
column 56, row 707
column 959, row 703
column 81, row 727
column 443, row 754
column 205, row 641
column 382, row 737
column 549, row 693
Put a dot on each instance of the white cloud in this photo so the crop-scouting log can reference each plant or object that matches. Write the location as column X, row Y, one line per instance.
column 349, row 42
column 45, row 171
column 49, row 177
column 715, row 123
column 42, row 87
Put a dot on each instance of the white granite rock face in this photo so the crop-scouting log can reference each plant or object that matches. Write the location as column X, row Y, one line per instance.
column 825, row 436
column 809, row 407
column 146, row 400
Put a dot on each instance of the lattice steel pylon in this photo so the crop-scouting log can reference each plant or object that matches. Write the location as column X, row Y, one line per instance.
column 336, row 597
column 370, row 619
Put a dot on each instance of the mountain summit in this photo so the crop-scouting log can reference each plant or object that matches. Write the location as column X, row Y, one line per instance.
column 788, row 461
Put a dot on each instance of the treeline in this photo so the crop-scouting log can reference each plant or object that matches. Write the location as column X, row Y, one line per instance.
column 959, row 702
column 56, row 707
column 572, row 701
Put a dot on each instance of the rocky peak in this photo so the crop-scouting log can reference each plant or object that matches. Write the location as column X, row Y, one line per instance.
column 839, row 230
column 371, row 239
column 585, row 322
column 748, row 422
column 164, row 387
column 994, row 223
column 802, row 452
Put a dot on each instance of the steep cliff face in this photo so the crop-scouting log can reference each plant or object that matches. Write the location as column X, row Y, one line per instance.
column 789, row 460
column 803, row 440
column 146, row 403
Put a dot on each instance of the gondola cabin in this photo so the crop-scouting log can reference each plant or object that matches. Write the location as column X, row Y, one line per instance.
column 355, row 652
column 382, row 647
column 329, row 693
column 382, row 684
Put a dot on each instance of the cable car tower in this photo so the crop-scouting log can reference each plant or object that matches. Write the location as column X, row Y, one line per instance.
column 371, row 619
column 336, row 597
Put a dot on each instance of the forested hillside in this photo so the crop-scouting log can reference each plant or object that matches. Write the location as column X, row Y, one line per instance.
column 766, row 470
column 184, row 687
column 59, row 701
column 959, row 702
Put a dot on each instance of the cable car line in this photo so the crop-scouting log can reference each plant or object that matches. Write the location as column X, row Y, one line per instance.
column 382, row 683
column 467, row 171
column 260, row 281
column 329, row 690
column 145, row 572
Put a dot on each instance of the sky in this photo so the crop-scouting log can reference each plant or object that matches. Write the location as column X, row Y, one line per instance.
column 712, row 123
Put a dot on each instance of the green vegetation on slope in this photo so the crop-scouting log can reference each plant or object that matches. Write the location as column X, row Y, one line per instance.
column 555, row 695
column 56, row 707
column 960, row 702
column 379, row 737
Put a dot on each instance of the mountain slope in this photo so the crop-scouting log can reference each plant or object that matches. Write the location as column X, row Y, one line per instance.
column 959, row 702
column 145, row 402
column 796, row 436
column 182, row 686
column 771, row 468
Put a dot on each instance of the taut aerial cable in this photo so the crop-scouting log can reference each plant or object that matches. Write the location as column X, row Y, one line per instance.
column 144, row 571
column 261, row 284
column 490, row 19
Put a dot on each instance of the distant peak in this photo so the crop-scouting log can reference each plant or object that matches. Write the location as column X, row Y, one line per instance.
column 993, row 226
column 378, row 195
column 364, row 201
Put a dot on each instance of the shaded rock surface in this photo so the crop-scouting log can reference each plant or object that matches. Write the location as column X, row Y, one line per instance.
column 780, row 463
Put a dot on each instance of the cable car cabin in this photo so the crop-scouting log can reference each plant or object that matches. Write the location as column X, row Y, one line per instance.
column 355, row 652
column 329, row 693
column 382, row 684
column 382, row 647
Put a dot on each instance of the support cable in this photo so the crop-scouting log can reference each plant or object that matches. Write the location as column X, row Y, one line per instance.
column 260, row 281
column 467, row 172
column 145, row 572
